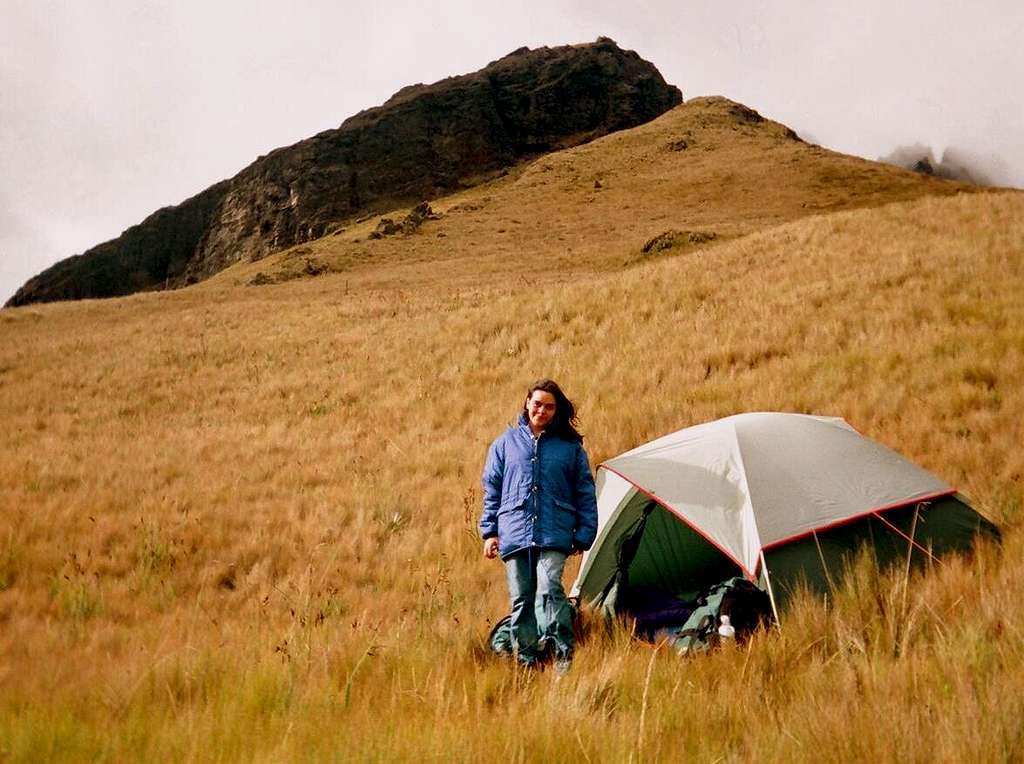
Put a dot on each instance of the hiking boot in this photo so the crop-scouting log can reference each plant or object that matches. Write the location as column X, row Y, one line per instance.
column 527, row 661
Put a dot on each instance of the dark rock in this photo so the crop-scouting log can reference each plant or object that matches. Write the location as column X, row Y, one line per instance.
column 683, row 142
column 745, row 114
column 671, row 239
column 420, row 214
column 386, row 227
column 425, row 141
column 923, row 166
column 313, row 268
column 412, row 221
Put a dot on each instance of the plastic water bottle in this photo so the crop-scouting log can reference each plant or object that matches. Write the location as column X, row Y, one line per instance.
column 725, row 629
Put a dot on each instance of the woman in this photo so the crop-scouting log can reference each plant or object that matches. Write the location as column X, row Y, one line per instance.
column 539, row 507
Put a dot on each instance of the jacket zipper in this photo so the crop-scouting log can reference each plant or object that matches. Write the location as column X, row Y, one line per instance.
column 536, row 487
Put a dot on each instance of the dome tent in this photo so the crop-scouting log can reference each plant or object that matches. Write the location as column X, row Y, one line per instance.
column 781, row 499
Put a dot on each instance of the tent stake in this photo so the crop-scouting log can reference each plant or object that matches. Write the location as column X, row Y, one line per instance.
column 771, row 594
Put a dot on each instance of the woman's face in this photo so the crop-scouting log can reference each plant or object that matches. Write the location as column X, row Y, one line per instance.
column 540, row 409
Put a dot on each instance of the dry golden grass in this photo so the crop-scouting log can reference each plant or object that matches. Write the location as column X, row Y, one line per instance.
column 239, row 523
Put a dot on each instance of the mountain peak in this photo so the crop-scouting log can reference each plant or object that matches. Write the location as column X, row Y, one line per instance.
column 424, row 141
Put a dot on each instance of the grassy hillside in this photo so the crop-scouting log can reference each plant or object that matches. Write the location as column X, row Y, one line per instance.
column 709, row 166
column 239, row 523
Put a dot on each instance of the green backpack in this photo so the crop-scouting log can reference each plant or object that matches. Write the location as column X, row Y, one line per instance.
column 500, row 638
column 747, row 607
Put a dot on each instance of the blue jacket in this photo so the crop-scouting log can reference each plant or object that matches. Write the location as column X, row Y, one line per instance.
column 537, row 493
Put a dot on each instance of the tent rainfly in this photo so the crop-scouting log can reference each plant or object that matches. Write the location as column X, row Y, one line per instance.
column 782, row 499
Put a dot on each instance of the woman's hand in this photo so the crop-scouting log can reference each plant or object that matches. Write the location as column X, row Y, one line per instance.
column 491, row 548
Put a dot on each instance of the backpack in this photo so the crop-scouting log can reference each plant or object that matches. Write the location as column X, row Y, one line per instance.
column 747, row 607
column 500, row 638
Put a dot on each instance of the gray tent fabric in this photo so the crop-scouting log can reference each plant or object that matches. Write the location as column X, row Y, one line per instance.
column 744, row 494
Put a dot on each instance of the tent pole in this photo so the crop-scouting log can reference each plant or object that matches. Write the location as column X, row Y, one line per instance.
column 771, row 594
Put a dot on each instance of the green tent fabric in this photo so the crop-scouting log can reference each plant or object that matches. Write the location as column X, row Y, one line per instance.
column 785, row 500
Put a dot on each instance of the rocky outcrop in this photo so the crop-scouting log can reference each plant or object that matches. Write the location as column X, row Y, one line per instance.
column 426, row 141
column 420, row 214
column 150, row 255
column 672, row 239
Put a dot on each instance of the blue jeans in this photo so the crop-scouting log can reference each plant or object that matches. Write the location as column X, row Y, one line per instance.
column 540, row 610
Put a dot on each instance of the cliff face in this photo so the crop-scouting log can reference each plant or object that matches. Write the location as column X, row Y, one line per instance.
column 150, row 255
column 427, row 140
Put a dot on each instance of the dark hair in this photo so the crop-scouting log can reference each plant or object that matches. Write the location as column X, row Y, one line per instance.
column 564, row 423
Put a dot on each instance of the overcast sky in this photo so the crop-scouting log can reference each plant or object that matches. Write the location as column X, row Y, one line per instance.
column 110, row 109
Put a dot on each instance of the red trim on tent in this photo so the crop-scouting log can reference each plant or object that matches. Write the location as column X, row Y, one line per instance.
column 796, row 537
column 855, row 518
column 694, row 528
column 904, row 535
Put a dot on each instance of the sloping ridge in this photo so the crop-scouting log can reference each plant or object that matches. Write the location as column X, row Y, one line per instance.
column 707, row 171
column 425, row 141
